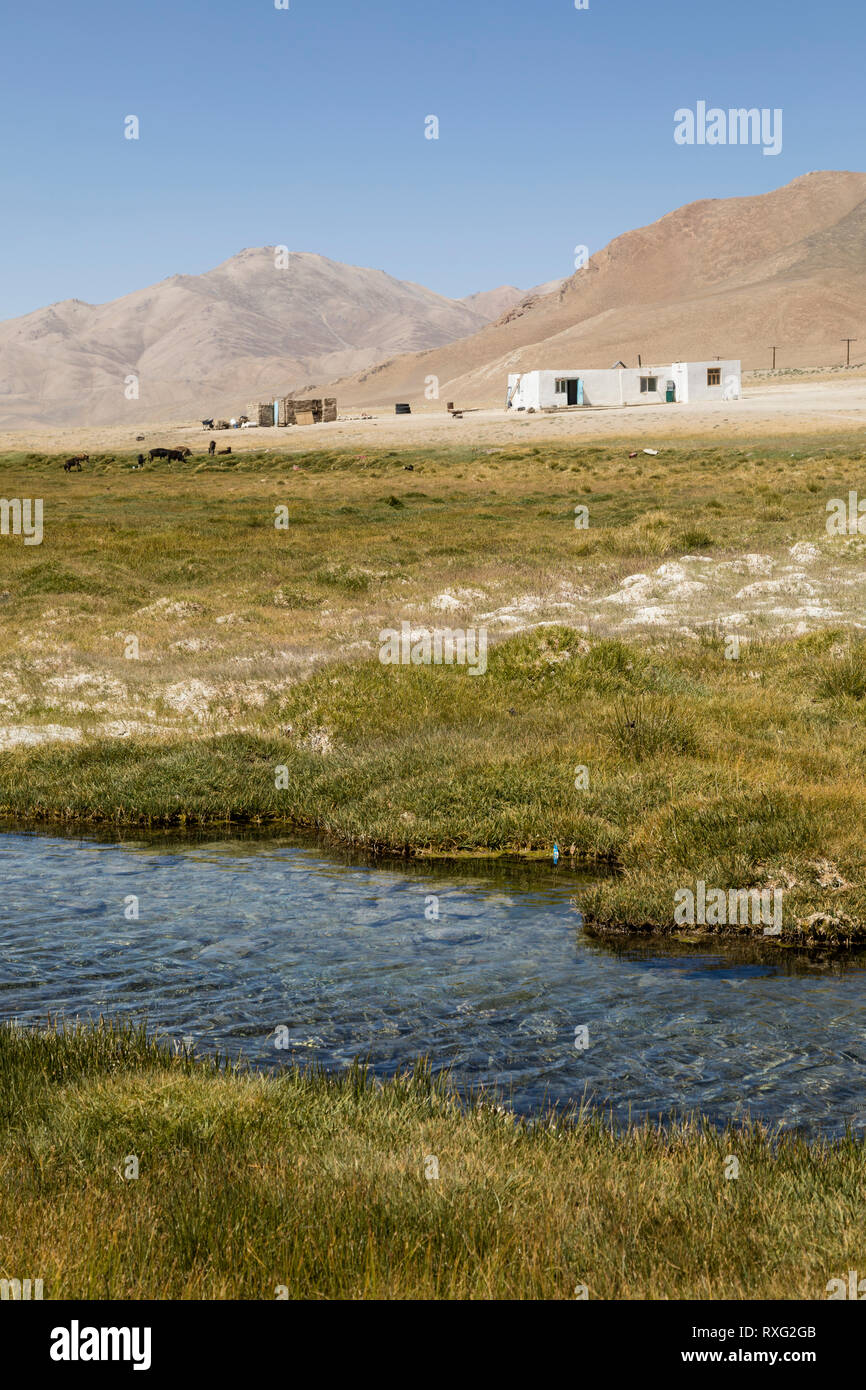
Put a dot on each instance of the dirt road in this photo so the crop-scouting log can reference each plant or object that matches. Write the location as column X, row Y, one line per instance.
column 831, row 405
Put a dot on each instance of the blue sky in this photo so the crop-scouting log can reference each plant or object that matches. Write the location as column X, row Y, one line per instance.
column 305, row 127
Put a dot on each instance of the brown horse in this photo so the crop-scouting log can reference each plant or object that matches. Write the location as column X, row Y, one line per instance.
column 75, row 462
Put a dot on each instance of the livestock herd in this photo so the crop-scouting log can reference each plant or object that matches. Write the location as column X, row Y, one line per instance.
column 170, row 455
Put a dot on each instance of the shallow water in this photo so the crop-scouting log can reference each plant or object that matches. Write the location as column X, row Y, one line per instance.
column 238, row 938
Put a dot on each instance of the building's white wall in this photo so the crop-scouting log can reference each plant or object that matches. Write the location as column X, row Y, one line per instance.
column 537, row 390
column 694, row 375
column 680, row 378
column 632, row 379
column 547, row 398
column 602, row 387
column 527, row 392
column 621, row 385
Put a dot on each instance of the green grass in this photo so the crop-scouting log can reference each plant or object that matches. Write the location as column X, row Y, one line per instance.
column 696, row 770
column 744, row 773
column 311, row 1186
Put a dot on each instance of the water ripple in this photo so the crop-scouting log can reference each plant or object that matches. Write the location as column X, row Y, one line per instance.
column 243, row 945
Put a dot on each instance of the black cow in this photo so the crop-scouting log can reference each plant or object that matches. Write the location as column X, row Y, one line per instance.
column 75, row 463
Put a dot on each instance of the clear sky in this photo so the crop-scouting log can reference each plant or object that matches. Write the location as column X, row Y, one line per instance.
column 305, row 127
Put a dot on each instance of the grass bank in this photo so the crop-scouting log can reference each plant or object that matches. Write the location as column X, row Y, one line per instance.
column 615, row 716
column 308, row 1186
column 672, row 766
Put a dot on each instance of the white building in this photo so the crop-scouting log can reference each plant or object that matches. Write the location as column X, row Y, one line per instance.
column 621, row 385
column 707, row 381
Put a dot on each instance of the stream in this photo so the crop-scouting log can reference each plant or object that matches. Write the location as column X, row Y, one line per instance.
column 281, row 950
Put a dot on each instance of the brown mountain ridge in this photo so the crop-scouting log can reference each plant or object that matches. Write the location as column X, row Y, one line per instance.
column 721, row 277
column 206, row 344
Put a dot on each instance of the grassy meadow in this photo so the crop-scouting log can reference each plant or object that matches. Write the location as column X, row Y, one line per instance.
column 302, row 1185
column 170, row 656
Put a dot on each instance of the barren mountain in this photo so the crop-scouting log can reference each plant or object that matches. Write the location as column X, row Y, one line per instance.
column 206, row 344
column 492, row 303
column 722, row 277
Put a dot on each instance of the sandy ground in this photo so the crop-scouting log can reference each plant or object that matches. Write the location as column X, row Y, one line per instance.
column 832, row 404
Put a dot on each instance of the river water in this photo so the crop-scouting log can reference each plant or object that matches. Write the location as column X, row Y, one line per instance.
column 284, row 951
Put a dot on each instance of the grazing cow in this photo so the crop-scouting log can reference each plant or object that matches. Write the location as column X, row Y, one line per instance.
column 177, row 455
column 140, row 463
column 76, row 463
column 158, row 454
column 211, row 448
column 207, row 424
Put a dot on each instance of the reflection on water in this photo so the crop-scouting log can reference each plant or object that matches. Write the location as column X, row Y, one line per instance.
column 487, row 973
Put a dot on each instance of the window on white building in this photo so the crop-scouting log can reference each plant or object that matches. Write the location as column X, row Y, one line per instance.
column 561, row 386
column 714, row 376
column 649, row 383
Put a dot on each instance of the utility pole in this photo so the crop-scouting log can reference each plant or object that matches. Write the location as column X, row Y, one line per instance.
column 849, row 341
column 773, row 351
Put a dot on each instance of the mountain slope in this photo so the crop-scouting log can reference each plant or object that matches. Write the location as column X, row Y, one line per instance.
column 492, row 303
column 724, row 277
column 201, row 344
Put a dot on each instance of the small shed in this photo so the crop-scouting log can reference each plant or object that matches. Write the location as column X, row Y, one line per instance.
column 286, row 410
column 322, row 408
column 261, row 412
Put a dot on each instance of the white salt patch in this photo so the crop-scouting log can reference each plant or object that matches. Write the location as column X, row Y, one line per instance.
column 805, row 553
column 635, row 589
column 189, row 697
column 795, row 585
column 651, row 616
column 30, row 735
column 170, row 608
column 687, row 588
column 671, row 571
